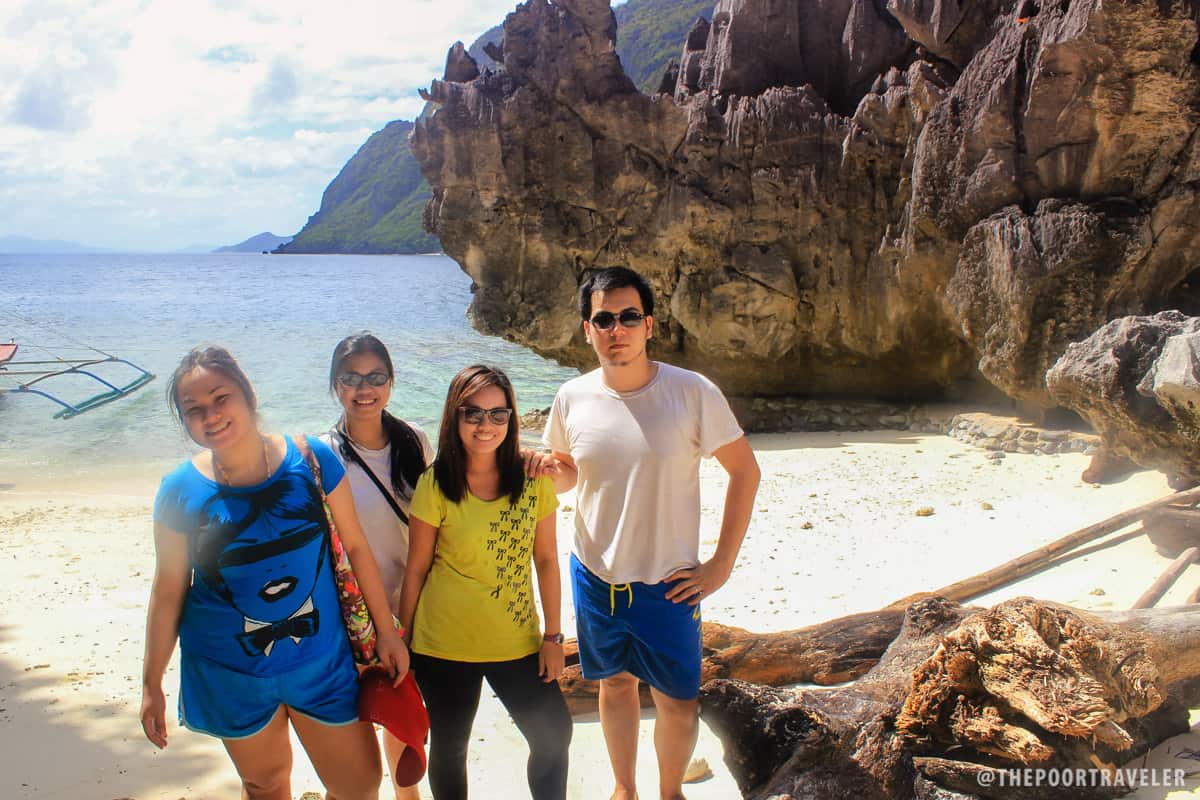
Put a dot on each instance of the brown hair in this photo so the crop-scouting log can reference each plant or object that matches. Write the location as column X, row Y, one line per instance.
column 450, row 466
column 216, row 359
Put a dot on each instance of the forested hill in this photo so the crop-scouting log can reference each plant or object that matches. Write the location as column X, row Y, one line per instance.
column 375, row 203
column 649, row 34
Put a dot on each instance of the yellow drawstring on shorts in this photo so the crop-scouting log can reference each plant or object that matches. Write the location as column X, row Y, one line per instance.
column 613, row 588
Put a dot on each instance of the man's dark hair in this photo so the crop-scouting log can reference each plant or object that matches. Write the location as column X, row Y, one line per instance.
column 614, row 278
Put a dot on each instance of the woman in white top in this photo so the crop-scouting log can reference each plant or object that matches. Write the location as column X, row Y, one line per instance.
column 383, row 456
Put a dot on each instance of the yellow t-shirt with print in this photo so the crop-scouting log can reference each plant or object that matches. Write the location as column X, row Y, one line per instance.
column 477, row 602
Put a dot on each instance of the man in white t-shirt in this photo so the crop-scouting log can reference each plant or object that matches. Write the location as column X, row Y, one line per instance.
column 630, row 435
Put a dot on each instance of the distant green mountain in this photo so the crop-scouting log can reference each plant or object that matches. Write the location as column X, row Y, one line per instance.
column 651, row 32
column 375, row 203
column 259, row 243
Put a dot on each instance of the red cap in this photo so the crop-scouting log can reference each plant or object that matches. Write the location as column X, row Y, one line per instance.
column 401, row 711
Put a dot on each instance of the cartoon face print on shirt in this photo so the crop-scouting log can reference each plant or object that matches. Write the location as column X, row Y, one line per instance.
column 261, row 551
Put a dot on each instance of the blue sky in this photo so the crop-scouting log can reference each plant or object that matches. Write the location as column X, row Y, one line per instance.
column 158, row 124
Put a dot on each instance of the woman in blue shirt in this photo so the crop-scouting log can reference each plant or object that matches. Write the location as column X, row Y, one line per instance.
column 244, row 581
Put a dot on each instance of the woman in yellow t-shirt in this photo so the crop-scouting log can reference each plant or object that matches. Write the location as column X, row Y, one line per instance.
column 476, row 526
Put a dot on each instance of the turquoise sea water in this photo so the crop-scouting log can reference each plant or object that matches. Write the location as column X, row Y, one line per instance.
column 281, row 317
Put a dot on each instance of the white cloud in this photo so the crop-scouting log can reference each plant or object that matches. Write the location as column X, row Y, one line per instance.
column 279, row 88
column 155, row 123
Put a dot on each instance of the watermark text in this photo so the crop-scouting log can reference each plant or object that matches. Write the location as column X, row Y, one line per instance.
column 1128, row 777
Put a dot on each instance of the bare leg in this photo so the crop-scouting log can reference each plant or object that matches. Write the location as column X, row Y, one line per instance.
column 620, row 715
column 392, row 748
column 346, row 757
column 264, row 761
column 675, row 730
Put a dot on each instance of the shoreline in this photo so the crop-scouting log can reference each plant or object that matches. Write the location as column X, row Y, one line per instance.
column 76, row 561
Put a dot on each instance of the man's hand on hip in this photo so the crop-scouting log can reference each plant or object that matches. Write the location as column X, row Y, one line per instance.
column 697, row 583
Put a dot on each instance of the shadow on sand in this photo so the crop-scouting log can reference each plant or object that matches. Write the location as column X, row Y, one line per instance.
column 64, row 738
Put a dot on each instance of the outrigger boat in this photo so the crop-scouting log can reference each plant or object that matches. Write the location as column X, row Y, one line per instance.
column 56, row 368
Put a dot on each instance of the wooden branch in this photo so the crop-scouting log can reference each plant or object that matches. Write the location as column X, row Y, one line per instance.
column 1194, row 597
column 1184, row 516
column 1033, row 561
column 1168, row 578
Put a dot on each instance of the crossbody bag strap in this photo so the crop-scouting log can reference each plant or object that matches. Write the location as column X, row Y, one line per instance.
column 314, row 465
column 353, row 455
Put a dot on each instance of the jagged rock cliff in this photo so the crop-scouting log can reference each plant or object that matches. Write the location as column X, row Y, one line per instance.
column 1137, row 381
column 375, row 203
column 836, row 197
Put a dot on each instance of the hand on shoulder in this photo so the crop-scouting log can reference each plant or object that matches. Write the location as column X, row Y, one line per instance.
column 538, row 465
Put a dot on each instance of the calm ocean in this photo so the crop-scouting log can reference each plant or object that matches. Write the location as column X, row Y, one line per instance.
column 280, row 315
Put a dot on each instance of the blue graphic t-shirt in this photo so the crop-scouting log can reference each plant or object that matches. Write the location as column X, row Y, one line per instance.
column 263, row 596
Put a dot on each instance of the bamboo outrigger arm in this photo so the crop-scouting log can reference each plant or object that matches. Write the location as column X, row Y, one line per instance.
column 111, row 392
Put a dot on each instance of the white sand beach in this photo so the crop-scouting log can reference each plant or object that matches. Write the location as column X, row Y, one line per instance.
column 834, row 532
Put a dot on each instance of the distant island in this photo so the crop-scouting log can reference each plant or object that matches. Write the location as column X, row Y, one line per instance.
column 24, row 245
column 260, row 243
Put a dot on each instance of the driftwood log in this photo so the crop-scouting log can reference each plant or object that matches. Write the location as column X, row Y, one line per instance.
column 846, row 648
column 964, row 690
column 830, row 653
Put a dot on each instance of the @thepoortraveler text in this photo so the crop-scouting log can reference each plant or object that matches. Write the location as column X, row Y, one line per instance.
column 1129, row 777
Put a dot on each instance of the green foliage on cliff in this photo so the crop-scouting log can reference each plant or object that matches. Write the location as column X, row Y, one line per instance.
column 651, row 33
column 374, row 205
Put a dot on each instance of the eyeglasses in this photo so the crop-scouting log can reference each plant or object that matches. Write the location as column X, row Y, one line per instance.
column 474, row 415
column 353, row 379
column 605, row 320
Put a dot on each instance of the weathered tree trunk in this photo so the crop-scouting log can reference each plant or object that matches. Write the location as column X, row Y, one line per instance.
column 830, row 653
column 845, row 648
column 962, row 690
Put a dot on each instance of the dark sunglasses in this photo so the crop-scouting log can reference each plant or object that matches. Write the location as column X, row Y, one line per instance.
column 474, row 415
column 353, row 379
column 629, row 318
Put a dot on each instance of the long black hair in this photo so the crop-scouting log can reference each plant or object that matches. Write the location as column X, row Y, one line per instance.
column 408, row 457
column 450, row 466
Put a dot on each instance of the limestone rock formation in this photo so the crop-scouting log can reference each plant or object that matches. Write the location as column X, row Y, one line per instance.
column 837, row 198
column 1136, row 381
column 460, row 66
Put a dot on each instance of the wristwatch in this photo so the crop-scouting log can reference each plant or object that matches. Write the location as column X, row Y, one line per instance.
column 557, row 638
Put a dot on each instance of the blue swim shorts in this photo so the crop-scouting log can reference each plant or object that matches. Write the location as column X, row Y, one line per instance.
column 221, row 702
column 634, row 628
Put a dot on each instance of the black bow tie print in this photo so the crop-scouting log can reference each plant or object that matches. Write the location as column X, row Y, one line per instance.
column 255, row 642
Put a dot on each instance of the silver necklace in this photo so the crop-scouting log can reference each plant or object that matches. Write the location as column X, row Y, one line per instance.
column 224, row 477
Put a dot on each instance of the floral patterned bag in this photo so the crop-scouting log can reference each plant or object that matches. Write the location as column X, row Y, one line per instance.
column 359, row 627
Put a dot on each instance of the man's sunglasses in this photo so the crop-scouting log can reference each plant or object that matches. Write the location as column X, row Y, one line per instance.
column 474, row 415
column 629, row 318
column 353, row 379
